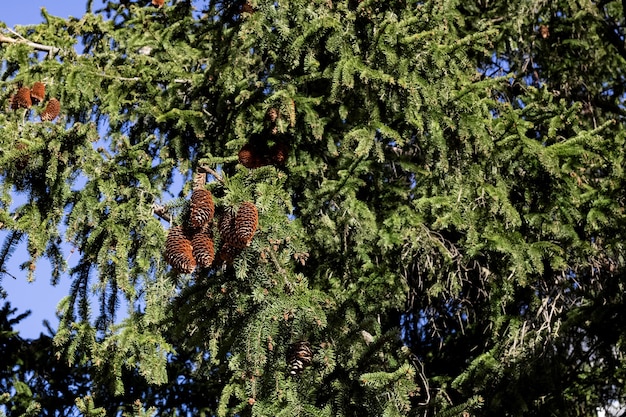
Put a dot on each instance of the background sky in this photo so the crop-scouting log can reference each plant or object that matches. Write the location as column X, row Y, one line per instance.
column 40, row 297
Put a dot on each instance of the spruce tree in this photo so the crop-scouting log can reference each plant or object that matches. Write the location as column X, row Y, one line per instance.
column 325, row 208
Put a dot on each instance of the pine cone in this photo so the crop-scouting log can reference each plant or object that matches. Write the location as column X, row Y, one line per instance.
column 251, row 157
column 299, row 356
column 227, row 229
column 21, row 100
column 201, row 208
column 22, row 162
column 37, row 92
column 279, row 153
column 246, row 222
column 228, row 253
column 158, row 3
column 51, row 111
column 272, row 114
column 247, row 8
column 178, row 250
column 203, row 248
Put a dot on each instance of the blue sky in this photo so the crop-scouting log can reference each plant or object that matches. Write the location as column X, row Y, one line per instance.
column 40, row 297
column 26, row 12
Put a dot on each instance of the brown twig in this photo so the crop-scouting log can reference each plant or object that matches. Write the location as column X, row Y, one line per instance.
column 209, row 170
column 162, row 212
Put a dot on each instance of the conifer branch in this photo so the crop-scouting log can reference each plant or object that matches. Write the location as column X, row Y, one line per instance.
column 135, row 79
column 37, row 46
column 54, row 50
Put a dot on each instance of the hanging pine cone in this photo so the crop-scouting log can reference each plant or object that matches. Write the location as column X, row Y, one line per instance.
column 272, row 114
column 178, row 250
column 201, row 207
column 247, row 8
column 279, row 153
column 251, row 156
column 203, row 248
column 228, row 230
column 299, row 356
column 22, row 162
column 231, row 245
column 51, row 111
column 228, row 253
column 246, row 222
column 37, row 92
column 21, row 99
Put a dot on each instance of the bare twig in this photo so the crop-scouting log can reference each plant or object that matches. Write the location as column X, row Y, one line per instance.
column 209, row 170
column 34, row 45
column 136, row 79
column 419, row 367
column 162, row 212
column 17, row 34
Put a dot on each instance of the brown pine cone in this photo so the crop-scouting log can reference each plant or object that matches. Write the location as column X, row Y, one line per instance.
column 251, row 157
column 21, row 99
column 37, row 92
column 299, row 356
column 51, row 111
column 201, row 208
column 203, row 249
column 246, row 222
column 178, row 250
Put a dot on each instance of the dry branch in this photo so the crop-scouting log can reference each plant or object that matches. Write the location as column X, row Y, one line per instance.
column 37, row 46
column 162, row 212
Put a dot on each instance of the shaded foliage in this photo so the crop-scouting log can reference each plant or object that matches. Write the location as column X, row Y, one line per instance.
column 440, row 201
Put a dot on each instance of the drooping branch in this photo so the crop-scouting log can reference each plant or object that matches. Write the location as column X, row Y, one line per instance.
column 53, row 50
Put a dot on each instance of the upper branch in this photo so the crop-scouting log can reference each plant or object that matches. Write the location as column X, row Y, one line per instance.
column 34, row 45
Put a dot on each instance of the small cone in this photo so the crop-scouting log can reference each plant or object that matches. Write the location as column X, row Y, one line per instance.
column 178, row 250
column 228, row 253
column 21, row 100
column 247, row 8
column 37, row 92
column 246, row 222
column 299, row 356
column 201, row 208
column 279, row 153
column 158, row 3
column 22, row 162
column 203, row 249
column 272, row 114
column 51, row 111
column 251, row 157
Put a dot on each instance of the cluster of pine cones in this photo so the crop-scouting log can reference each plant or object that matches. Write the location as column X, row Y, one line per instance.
column 26, row 97
column 191, row 244
column 258, row 152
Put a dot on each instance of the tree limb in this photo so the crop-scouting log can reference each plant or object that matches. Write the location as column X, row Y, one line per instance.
column 209, row 170
column 34, row 45
column 162, row 212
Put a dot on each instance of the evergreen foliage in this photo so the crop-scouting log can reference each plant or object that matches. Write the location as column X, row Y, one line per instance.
column 438, row 194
